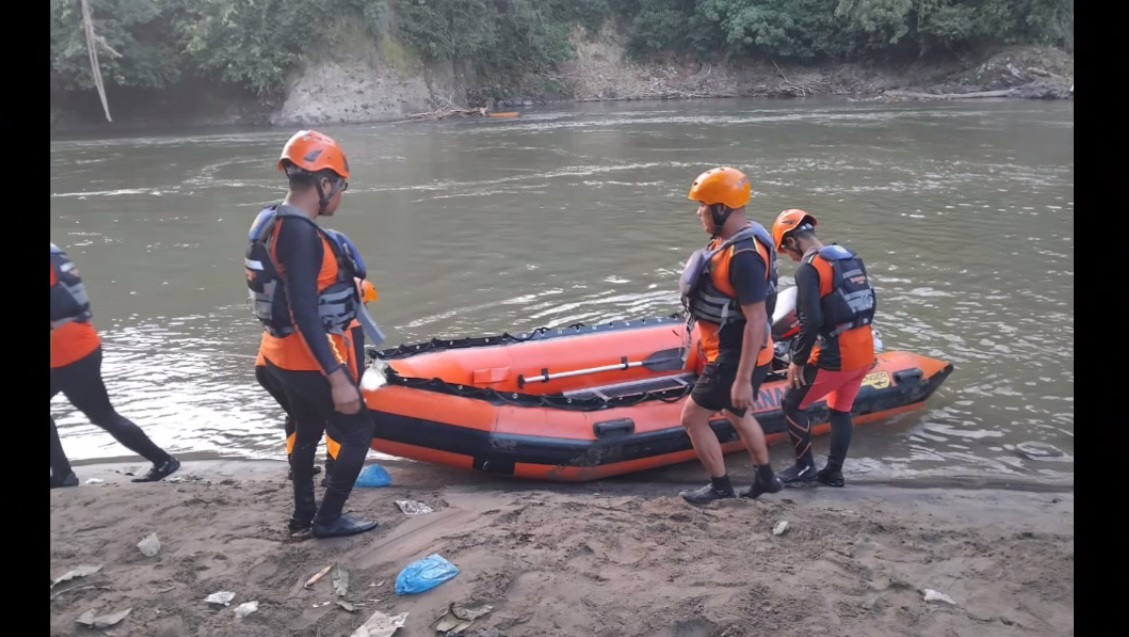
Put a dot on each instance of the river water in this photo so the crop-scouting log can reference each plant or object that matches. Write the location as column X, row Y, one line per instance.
column 963, row 212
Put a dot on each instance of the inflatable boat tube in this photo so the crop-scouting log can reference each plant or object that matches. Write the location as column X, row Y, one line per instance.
column 582, row 403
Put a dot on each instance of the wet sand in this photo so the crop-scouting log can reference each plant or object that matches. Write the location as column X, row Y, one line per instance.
column 617, row 558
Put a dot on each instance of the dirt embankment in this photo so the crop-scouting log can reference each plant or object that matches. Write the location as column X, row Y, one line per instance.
column 620, row 558
column 366, row 87
column 365, row 81
column 603, row 71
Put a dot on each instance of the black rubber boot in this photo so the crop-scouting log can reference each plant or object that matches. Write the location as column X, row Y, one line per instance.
column 330, row 522
column 69, row 480
column 305, row 507
column 160, row 472
column 799, row 472
column 343, row 526
column 831, row 476
column 765, row 482
column 717, row 489
column 706, row 494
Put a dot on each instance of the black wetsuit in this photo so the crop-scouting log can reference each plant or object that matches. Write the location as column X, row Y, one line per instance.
column 299, row 253
column 81, row 382
column 275, row 388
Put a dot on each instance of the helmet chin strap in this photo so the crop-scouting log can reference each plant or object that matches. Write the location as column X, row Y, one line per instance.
column 323, row 199
column 718, row 217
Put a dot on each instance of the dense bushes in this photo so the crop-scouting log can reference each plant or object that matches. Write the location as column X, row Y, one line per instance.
column 154, row 43
column 837, row 29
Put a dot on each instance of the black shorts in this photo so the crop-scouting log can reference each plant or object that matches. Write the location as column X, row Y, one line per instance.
column 714, row 386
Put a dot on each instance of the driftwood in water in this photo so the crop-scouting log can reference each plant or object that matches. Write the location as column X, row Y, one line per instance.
column 947, row 96
column 451, row 109
column 454, row 111
column 444, row 113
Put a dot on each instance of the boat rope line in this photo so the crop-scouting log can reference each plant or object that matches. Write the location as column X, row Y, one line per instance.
column 556, row 401
column 519, row 399
column 506, row 338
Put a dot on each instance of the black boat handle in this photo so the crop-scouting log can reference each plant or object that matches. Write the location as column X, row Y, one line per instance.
column 620, row 426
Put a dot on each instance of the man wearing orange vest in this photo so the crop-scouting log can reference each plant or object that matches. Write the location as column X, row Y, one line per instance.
column 834, row 349
column 303, row 290
column 76, row 371
column 269, row 383
column 729, row 290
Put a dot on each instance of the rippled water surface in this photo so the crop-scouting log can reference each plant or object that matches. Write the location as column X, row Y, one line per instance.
column 963, row 212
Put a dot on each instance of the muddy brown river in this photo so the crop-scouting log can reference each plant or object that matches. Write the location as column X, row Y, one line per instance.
column 963, row 212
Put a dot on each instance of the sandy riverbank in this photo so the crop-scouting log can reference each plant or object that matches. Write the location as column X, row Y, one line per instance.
column 619, row 558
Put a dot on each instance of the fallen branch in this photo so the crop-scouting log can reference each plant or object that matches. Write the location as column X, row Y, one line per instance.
column 92, row 51
column 444, row 113
column 948, row 96
column 781, row 73
column 1044, row 73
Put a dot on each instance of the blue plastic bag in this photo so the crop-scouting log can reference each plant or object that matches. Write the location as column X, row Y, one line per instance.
column 424, row 575
column 373, row 475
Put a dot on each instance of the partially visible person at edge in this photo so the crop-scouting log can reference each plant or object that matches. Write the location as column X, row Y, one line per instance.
column 269, row 383
column 304, row 292
column 834, row 349
column 76, row 370
column 730, row 301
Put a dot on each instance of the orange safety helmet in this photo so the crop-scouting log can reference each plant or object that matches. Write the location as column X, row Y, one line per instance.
column 368, row 291
column 314, row 152
column 788, row 221
column 722, row 185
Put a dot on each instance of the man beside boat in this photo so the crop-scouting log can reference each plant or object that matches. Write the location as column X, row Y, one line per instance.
column 834, row 349
column 728, row 289
column 268, row 382
column 76, row 371
column 303, row 290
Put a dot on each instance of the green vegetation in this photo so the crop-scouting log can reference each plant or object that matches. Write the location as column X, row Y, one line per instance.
column 254, row 43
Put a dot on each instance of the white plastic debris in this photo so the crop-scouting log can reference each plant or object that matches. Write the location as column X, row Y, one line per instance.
column 780, row 527
column 380, row 625
column 413, row 507
column 95, row 481
column 102, row 621
column 221, row 597
column 246, row 608
column 937, row 596
column 150, row 546
column 372, row 379
column 460, row 618
column 80, row 571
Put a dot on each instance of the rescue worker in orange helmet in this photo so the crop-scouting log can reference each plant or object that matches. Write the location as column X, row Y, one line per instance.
column 303, row 290
column 729, row 290
column 368, row 293
column 76, row 371
column 834, row 350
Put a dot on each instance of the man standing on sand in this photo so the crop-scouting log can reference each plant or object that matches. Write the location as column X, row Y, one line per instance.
column 303, row 290
column 834, row 350
column 729, row 289
column 76, row 371
column 367, row 292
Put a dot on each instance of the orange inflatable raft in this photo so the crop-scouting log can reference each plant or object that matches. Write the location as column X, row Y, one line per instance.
column 582, row 403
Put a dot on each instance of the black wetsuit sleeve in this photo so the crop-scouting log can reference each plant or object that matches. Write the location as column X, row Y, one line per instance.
column 807, row 311
column 747, row 276
column 300, row 254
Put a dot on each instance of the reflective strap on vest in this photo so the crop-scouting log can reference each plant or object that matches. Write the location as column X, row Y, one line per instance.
column 335, row 309
column 77, row 301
